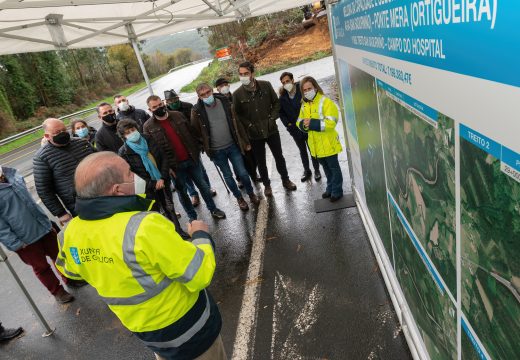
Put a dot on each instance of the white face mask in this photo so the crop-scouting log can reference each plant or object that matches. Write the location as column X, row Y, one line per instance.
column 139, row 185
column 123, row 106
column 288, row 87
column 310, row 95
column 245, row 80
column 224, row 90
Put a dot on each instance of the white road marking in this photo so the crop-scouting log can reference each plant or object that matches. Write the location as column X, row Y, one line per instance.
column 246, row 330
column 295, row 309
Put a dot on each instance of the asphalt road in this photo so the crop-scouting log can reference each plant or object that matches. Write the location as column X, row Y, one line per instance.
column 290, row 283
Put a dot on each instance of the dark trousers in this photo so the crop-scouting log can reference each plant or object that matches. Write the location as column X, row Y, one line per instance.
column 164, row 204
column 275, row 145
column 302, row 146
column 333, row 173
column 35, row 255
column 250, row 164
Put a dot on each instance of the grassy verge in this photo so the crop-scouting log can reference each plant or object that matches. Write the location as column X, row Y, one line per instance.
column 39, row 134
column 229, row 70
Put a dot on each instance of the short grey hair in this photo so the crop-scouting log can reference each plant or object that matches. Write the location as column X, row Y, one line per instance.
column 96, row 174
column 203, row 86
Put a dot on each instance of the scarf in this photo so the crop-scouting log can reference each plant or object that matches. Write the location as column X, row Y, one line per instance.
column 141, row 148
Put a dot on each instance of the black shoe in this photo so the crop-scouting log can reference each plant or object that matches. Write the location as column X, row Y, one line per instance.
column 213, row 192
column 335, row 198
column 9, row 334
column 317, row 175
column 325, row 195
column 218, row 214
column 76, row 284
column 306, row 175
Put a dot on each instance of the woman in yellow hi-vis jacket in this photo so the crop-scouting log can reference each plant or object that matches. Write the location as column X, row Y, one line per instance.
column 319, row 117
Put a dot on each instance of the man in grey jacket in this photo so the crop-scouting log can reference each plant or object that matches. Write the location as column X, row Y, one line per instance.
column 26, row 230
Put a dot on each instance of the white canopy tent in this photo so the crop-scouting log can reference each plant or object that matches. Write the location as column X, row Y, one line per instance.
column 40, row 25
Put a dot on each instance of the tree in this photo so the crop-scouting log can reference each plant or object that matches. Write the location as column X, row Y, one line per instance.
column 182, row 56
column 122, row 58
column 6, row 114
column 50, row 77
column 18, row 89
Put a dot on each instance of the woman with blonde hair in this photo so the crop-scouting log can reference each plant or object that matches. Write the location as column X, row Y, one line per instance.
column 318, row 118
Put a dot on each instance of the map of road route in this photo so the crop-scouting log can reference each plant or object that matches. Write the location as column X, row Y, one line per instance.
column 420, row 167
column 490, row 246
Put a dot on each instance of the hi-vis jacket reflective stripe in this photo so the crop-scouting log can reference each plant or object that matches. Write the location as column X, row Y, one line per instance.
column 323, row 139
column 139, row 265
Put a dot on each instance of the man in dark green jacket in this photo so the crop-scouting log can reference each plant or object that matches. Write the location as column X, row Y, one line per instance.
column 257, row 106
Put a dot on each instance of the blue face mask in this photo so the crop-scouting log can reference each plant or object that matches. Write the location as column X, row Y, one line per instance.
column 210, row 100
column 82, row 133
column 134, row 137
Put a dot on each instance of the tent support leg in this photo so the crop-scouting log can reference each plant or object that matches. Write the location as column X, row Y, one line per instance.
column 133, row 39
column 32, row 304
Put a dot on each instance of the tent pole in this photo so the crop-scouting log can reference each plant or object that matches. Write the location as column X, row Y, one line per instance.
column 32, row 304
column 133, row 39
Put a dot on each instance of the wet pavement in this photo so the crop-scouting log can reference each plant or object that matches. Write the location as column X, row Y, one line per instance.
column 318, row 295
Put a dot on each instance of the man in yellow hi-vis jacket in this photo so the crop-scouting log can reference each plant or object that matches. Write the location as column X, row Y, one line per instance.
column 319, row 117
column 154, row 281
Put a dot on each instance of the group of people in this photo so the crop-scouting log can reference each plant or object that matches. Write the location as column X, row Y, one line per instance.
column 106, row 188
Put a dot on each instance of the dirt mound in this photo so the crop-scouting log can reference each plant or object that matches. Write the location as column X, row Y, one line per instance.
column 301, row 45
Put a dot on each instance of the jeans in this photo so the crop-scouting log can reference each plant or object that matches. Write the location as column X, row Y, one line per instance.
column 189, row 183
column 35, row 255
column 334, row 176
column 232, row 153
column 302, row 146
column 191, row 169
column 275, row 145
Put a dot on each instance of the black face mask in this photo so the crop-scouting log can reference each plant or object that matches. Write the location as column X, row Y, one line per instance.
column 63, row 138
column 160, row 111
column 109, row 118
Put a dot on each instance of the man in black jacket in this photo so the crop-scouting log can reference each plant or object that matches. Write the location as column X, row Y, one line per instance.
column 173, row 103
column 125, row 110
column 54, row 165
column 290, row 103
column 175, row 136
column 257, row 108
column 106, row 137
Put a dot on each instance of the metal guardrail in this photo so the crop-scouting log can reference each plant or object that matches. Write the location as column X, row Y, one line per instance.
column 188, row 64
column 35, row 129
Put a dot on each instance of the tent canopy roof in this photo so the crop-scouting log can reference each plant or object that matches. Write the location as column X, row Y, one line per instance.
column 39, row 25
